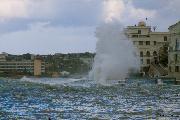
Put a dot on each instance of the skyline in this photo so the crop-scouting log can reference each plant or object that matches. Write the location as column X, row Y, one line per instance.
column 65, row 26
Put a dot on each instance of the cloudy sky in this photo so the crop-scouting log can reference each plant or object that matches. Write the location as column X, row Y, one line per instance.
column 51, row 26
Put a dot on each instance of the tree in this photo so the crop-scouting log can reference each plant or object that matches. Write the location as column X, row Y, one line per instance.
column 163, row 55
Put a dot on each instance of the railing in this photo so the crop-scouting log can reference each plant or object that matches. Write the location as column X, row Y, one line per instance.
column 160, row 69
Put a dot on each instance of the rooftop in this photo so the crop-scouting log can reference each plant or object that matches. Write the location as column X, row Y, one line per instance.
column 141, row 24
column 172, row 26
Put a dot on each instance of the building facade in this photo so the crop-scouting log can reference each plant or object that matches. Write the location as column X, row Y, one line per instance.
column 35, row 67
column 174, row 51
column 39, row 67
column 147, row 42
column 3, row 56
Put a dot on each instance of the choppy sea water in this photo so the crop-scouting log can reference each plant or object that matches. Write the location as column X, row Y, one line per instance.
column 74, row 99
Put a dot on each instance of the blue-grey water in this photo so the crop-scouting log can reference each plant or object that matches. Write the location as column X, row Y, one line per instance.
column 74, row 99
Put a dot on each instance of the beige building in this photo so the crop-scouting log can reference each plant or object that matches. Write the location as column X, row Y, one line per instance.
column 174, row 51
column 147, row 42
column 3, row 56
column 36, row 67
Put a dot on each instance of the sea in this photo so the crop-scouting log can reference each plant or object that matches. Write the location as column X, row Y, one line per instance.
column 82, row 99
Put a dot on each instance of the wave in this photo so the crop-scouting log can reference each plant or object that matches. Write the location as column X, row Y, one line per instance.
column 83, row 82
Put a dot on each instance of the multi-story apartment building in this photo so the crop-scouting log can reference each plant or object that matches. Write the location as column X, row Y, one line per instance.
column 35, row 67
column 174, row 51
column 147, row 42
column 3, row 56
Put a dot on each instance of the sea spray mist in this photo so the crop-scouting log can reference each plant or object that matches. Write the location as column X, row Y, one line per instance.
column 115, row 56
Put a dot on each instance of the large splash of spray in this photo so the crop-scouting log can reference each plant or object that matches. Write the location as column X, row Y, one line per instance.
column 115, row 54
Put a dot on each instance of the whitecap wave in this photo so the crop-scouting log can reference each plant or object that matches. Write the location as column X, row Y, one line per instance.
column 84, row 82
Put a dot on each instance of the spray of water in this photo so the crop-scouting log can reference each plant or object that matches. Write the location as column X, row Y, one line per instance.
column 115, row 54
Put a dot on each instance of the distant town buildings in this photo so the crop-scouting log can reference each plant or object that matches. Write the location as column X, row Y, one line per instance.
column 39, row 67
column 45, row 65
column 174, row 51
column 3, row 56
column 31, row 67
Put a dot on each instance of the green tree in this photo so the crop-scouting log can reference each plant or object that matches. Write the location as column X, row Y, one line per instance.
column 163, row 55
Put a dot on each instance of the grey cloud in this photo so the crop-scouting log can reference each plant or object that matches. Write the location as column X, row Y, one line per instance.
column 60, row 13
column 150, row 4
column 167, row 11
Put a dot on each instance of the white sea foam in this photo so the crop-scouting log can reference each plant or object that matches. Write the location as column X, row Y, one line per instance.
column 115, row 54
column 51, row 81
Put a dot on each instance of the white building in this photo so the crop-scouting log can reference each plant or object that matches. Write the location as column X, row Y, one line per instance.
column 174, row 51
column 147, row 42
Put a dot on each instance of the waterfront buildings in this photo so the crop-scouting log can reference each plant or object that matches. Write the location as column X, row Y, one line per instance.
column 34, row 67
column 3, row 56
column 174, row 51
column 148, row 43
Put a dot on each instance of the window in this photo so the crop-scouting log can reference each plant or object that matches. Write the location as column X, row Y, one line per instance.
column 176, row 57
column 134, row 36
column 148, row 54
column 148, row 61
column 177, row 69
column 154, row 53
column 141, row 54
column 165, row 38
column 140, row 42
column 154, row 42
column 139, row 31
column 147, row 42
column 169, row 69
column 141, row 61
column 177, row 44
column 141, row 69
